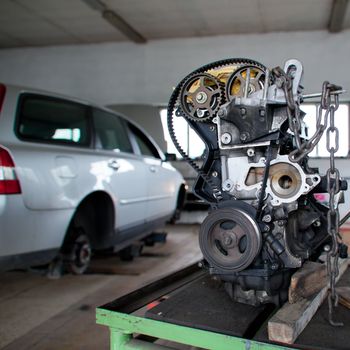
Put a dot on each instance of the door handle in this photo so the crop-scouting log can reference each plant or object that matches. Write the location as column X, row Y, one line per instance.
column 114, row 164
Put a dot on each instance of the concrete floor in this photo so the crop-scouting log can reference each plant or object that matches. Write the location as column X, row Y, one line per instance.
column 39, row 313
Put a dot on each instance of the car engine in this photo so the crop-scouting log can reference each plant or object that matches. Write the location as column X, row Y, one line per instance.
column 265, row 218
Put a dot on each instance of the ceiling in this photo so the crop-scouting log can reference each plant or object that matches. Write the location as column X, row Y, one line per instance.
column 55, row 22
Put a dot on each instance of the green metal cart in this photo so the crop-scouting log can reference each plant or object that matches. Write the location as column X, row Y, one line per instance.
column 136, row 321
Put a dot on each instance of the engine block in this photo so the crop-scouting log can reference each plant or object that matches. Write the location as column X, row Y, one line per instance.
column 265, row 219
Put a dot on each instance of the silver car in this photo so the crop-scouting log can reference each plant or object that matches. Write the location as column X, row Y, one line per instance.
column 74, row 177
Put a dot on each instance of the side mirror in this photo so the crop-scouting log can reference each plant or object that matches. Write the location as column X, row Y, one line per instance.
column 170, row 157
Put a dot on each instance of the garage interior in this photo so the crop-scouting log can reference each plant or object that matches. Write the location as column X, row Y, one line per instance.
column 128, row 56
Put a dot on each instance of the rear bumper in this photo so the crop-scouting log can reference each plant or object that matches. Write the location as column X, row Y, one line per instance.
column 25, row 232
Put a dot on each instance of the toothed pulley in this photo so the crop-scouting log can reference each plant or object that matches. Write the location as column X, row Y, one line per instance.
column 200, row 97
column 250, row 77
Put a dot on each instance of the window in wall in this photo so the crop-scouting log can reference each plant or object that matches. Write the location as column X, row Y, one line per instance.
column 53, row 120
column 67, row 134
column 341, row 119
column 194, row 146
column 187, row 137
column 111, row 132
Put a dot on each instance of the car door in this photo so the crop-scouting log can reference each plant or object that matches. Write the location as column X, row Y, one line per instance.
column 124, row 169
column 160, row 176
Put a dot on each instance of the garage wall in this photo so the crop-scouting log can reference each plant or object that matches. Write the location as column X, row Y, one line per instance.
column 127, row 73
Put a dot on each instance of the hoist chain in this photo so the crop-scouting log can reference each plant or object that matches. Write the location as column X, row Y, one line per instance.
column 325, row 117
column 285, row 82
column 333, row 180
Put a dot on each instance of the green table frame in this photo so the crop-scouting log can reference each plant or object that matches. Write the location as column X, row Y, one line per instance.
column 127, row 329
column 123, row 327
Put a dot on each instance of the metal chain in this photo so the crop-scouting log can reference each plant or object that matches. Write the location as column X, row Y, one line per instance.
column 325, row 111
column 285, row 81
column 333, row 179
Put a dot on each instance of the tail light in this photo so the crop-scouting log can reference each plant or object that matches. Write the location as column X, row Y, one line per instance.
column 9, row 183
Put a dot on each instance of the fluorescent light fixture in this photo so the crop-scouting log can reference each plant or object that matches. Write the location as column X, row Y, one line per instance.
column 116, row 21
column 96, row 5
column 337, row 15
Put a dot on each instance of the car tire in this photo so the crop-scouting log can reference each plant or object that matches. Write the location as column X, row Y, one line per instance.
column 179, row 206
column 78, row 251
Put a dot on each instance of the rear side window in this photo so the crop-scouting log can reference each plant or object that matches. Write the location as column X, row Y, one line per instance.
column 52, row 120
column 146, row 146
column 111, row 132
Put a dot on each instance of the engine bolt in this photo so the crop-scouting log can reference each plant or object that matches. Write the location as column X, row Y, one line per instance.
column 214, row 174
column 227, row 240
column 327, row 248
column 200, row 113
column 262, row 115
column 221, row 112
column 317, row 223
column 212, row 128
column 274, row 266
column 244, row 136
column 243, row 111
column 267, row 218
column 228, row 185
column 280, row 222
column 201, row 97
column 226, row 138
column 250, row 152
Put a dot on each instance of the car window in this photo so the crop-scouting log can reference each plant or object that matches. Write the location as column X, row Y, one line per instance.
column 146, row 146
column 53, row 120
column 111, row 132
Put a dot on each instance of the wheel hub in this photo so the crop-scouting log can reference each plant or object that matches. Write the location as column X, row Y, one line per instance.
column 84, row 254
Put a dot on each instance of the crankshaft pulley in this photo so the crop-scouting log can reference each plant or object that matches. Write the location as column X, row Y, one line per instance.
column 230, row 239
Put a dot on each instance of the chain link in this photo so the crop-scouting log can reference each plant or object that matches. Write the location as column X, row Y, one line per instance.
column 285, row 81
column 325, row 117
column 333, row 180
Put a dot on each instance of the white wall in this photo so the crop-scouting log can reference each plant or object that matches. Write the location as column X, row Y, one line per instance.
column 128, row 73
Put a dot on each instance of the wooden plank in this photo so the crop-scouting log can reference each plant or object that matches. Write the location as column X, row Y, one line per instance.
column 307, row 281
column 344, row 296
column 286, row 325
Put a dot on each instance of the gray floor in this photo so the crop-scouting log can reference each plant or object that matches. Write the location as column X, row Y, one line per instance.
column 38, row 313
